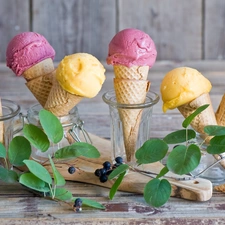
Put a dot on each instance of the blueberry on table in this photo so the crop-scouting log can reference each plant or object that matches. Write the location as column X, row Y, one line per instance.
column 71, row 170
column 119, row 159
column 103, row 178
column 107, row 165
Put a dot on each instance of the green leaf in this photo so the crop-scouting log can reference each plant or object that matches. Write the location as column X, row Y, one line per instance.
column 214, row 130
column 179, row 136
column 183, row 160
column 116, row 185
column 38, row 170
column 31, row 181
column 9, row 176
column 189, row 119
column 157, row 192
column 77, row 149
column 151, row 151
column 90, row 203
column 36, row 136
column 216, row 145
column 63, row 194
column 58, row 178
column 51, row 125
column 2, row 151
column 19, row 149
column 163, row 172
column 118, row 170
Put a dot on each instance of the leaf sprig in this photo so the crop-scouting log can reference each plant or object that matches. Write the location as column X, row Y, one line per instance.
column 37, row 177
column 184, row 157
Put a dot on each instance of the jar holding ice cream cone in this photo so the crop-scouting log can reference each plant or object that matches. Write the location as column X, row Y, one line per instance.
column 130, row 125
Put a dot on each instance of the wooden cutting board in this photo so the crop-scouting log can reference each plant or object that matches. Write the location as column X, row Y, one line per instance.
column 198, row 189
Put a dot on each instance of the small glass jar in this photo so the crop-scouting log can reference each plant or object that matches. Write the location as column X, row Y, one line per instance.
column 121, row 145
column 9, row 111
column 72, row 126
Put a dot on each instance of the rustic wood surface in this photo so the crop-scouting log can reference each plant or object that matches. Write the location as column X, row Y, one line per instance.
column 20, row 206
column 182, row 30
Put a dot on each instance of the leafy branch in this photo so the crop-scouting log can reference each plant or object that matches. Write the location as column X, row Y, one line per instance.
column 184, row 157
column 37, row 177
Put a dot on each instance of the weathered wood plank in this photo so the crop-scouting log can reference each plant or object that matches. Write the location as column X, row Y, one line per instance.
column 214, row 31
column 76, row 25
column 14, row 18
column 175, row 26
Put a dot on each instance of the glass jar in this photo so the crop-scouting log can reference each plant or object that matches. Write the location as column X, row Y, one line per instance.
column 125, row 138
column 72, row 126
column 9, row 111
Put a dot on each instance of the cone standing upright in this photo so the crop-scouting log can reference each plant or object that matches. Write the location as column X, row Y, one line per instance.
column 29, row 54
column 132, row 52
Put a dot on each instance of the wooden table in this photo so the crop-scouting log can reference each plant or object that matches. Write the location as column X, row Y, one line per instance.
column 19, row 206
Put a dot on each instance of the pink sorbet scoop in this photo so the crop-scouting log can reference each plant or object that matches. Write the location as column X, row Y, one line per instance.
column 27, row 49
column 132, row 47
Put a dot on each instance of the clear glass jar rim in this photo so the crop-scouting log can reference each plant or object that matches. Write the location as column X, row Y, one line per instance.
column 110, row 99
column 12, row 107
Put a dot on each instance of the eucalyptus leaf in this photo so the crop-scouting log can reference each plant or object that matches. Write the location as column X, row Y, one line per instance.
column 31, row 181
column 36, row 136
column 2, row 151
column 62, row 194
column 157, row 192
column 90, row 203
column 180, row 136
column 58, row 178
column 8, row 176
column 163, row 172
column 116, row 185
column 77, row 149
column 38, row 170
column 216, row 145
column 151, row 151
column 19, row 149
column 118, row 170
column 183, row 160
column 214, row 130
column 190, row 118
column 51, row 125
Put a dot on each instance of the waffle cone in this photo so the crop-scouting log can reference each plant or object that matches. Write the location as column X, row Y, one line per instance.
column 130, row 92
column 59, row 101
column 131, row 73
column 41, row 86
column 44, row 67
column 220, row 113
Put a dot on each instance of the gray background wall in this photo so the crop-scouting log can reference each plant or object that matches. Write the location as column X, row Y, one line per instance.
column 181, row 29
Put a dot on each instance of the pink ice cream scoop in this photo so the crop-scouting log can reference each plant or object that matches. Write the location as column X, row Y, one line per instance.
column 132, row 47
column 27, row 49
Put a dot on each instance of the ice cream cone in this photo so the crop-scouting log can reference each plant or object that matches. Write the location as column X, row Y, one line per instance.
column 59, row 101
column 130, row 92
column 220, row 113
column 39, row 79
column 132, row 73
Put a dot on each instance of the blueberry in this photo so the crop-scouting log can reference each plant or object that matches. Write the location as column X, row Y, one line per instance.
column 71, row 170
column 78, row 202
column 116, row 165
column 103, row 178
column 107, row 165
column 97, row 172
column 103, row 171
column 108, row 172
column 119, row 159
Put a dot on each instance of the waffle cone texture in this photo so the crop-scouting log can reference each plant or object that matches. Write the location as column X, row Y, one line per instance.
column 130, row 87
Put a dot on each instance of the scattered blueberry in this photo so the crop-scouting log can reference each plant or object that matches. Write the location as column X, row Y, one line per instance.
column 103, row 178
column 77, row 205
column 107, row 165
column 119, row 159
column 97, row 172
column 71, row 169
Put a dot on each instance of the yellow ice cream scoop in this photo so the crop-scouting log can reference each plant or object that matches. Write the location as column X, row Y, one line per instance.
column 81, row 74
column 182, row 85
